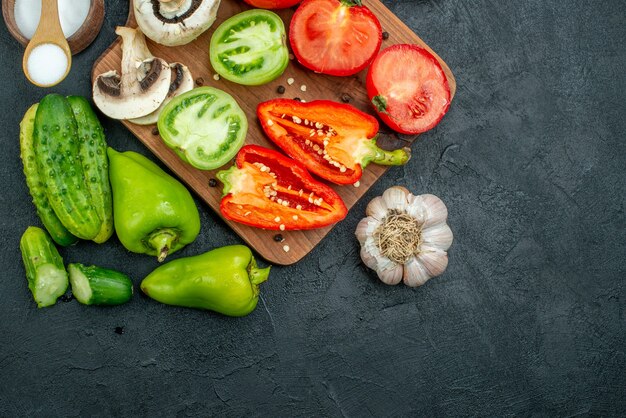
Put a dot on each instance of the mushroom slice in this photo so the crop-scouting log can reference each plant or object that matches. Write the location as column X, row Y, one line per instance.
column 182, row 82
column 175, row 22
column 143, row 85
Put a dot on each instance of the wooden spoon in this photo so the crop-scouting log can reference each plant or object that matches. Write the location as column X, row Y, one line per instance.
column 48, row 32
column 81, row 39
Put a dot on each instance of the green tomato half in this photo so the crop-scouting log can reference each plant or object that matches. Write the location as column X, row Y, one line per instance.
column 250, row 48
column 205, row 127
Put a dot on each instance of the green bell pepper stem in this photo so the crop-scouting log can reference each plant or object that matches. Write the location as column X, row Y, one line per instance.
column 162, row 240
column 396, row 157
column 257, row 275
column 226, row 177
column 372, row 153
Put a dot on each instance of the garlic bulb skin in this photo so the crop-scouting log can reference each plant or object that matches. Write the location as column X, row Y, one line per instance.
column 436, row 211
column 438, row 236
column 389, row 272
column 415, row 274
column 391, row 275
column 365, row 228
column 405, row 237
column 376, row 208
column 395, row 198
column 434, row 260
column 416, row 208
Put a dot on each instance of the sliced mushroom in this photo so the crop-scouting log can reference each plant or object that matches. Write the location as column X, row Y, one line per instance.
column 182, row 82
column 143, row 85
column 175, row 22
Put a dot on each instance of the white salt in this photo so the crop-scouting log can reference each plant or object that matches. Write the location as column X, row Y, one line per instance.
column 72, row 14
column 47, row 64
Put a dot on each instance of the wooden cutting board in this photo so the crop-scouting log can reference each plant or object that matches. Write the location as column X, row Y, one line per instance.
column 196, row 56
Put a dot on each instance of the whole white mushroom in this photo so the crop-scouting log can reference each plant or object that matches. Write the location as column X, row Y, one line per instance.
column 175, row 22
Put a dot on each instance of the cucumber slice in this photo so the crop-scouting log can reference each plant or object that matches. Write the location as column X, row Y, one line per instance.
column 250, row 48
column 99, row 286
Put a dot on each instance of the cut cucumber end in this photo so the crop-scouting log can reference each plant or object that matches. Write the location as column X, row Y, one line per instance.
column 94, row 285
column 80, row 285
column 50, row 283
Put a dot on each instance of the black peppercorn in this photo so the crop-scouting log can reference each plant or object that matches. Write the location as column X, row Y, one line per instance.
column 278, row 238
column 345, row 98
column 297, row 98
column 385, row 36
column 280, row 89
column 155, row 131
column 199, row 81
column 212, row 182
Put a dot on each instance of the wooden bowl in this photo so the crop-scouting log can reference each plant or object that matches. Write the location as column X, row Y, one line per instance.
column 78, row 41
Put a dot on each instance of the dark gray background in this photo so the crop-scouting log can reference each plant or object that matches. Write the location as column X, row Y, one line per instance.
column 528, row 318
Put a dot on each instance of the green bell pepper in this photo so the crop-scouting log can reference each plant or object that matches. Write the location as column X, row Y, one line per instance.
column 153, row 213
column 224, row 280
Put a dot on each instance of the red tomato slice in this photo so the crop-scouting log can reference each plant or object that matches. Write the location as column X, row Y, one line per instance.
column 408, row 88
column 272, row 4
column 334, row 37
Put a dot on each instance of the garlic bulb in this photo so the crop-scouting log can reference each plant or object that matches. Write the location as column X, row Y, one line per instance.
column 405, row 237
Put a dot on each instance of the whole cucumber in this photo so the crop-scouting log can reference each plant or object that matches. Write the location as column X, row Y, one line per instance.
column 56, row 151
column 36, row 185
column 47, row 278
column 92, row 150
column 99, row 286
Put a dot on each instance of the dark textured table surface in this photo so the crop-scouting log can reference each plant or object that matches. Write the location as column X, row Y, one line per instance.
column 528, row 319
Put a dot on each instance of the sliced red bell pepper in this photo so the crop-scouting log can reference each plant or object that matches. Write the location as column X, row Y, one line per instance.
column 267, row 190
column 333, row 140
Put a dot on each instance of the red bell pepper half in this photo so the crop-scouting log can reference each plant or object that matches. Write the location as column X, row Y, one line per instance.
column 267, row 190
column 333, row 140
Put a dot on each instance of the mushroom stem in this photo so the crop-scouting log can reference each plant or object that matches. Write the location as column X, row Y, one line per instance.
column 142, row 86
column 134, row 50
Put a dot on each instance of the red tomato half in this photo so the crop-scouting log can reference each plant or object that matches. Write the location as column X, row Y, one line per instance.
column 272, row 4
column 334, row 37
column 408, row 88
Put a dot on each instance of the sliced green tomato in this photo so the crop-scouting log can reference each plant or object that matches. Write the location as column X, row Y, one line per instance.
column 250, row 48
column 205, row 127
